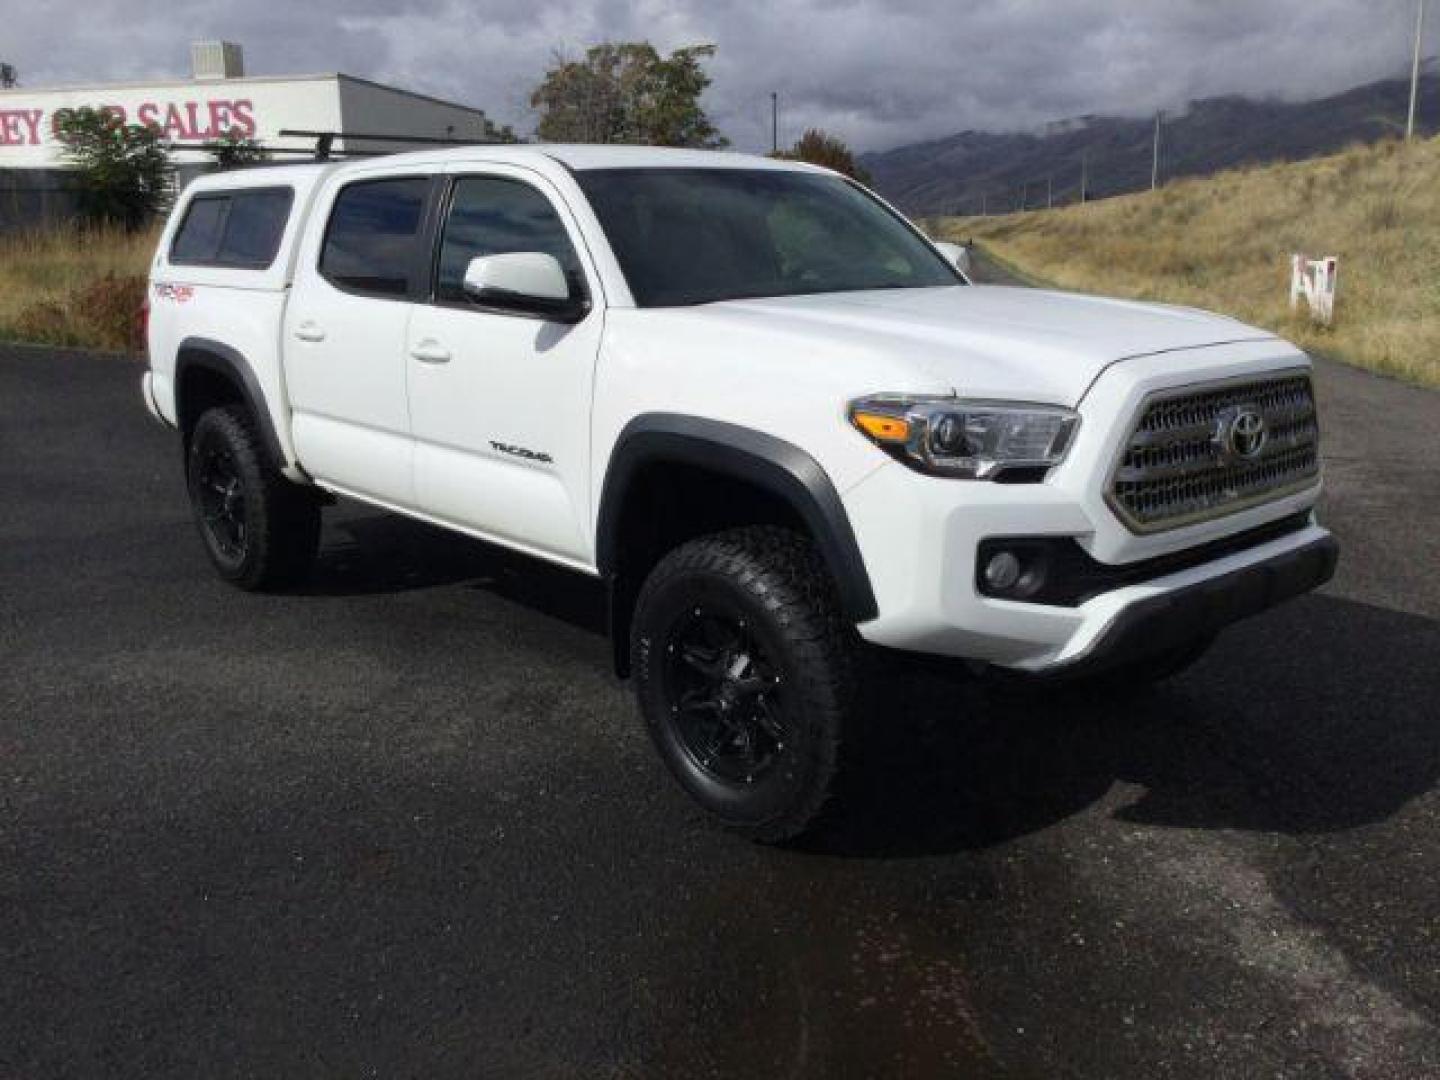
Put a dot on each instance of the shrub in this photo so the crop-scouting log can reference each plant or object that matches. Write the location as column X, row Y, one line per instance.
column 125, row 175
column 97, row 314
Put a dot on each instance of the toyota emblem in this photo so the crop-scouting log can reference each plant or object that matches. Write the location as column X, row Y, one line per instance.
column 1241, row 433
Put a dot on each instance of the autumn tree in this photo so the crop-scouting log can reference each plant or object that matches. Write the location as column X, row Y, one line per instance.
column 820, row 148
column 626, row 92
column 124, row 170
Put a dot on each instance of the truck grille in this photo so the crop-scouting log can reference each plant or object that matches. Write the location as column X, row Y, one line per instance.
column 1202, row 452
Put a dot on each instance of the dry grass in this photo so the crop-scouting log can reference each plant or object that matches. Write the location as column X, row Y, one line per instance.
column 1224, row 243
column 78, row 288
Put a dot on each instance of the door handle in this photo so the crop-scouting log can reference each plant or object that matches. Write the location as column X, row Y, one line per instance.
column 309, row 331
column 431, row 352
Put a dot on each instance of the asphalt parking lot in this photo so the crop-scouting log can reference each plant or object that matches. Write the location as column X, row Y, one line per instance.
column 404, row 823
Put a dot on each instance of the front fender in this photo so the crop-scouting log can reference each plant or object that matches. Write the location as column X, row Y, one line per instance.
column 780, row 468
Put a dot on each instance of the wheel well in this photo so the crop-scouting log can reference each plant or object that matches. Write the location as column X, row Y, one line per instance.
column 667, row 504
column 202, row 388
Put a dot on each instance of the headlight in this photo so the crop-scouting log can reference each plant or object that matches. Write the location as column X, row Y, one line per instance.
column 976, row 440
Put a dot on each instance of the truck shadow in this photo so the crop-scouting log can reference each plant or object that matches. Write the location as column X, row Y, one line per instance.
column 1316, row 717
column 364, row 553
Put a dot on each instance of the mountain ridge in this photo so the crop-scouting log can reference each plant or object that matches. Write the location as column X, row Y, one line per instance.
column 976, row 170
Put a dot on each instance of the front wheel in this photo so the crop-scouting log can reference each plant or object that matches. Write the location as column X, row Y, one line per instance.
column 260, row 530
column 745, row 674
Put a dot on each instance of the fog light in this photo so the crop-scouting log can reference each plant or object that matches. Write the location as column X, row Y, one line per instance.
column 1002, row 571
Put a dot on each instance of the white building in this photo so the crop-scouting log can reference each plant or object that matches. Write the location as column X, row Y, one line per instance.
column 219, row 99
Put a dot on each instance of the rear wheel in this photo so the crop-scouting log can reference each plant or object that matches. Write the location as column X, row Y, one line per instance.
column 745, row 674
column 260, row 530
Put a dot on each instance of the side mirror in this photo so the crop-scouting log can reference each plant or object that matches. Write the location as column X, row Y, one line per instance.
column 526, row 283
column 958, row 254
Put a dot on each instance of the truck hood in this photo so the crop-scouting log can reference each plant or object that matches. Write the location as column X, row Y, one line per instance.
column 987, row 340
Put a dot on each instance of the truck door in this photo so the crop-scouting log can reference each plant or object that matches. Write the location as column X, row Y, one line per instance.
column 500, row 402
column 363, row 267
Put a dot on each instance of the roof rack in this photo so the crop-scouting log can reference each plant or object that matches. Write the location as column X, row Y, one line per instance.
column 325, row 142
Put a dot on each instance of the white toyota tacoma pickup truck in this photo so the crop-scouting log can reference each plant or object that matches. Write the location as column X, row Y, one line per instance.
column 768, row 413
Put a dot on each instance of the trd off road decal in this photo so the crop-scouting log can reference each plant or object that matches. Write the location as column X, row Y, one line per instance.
column 181, row 294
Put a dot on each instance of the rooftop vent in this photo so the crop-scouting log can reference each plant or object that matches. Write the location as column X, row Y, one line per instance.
column 216, row 60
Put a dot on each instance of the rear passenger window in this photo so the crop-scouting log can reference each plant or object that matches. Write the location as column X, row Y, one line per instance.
column 372, row 241
column 233, row 228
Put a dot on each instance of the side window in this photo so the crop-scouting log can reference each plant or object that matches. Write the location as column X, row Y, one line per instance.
column 372, row 241
column 239, row 229
column 255, row 226
column 494, row 215
column 198, row 238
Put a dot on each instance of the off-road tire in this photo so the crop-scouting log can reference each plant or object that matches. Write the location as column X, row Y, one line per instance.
column 279, row 531
column 772, row 583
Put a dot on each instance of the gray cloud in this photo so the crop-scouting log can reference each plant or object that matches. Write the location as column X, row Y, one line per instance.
column 877, row 72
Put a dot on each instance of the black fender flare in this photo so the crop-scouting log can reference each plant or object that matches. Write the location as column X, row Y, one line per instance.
column 222, row 359
column 772, row 464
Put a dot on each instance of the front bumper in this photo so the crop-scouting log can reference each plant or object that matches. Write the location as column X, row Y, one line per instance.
column 929, row 602
column 1170, row 620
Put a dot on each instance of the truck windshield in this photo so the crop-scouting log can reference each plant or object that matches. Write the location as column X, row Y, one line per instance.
column 695, row 236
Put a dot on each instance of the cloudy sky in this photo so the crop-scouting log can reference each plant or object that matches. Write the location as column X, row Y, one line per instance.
column 878, row 72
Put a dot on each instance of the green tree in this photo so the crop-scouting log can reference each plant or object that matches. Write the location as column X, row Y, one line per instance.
column 234, row 150
column 124, row 169
column 626, row 92
column 820, row 148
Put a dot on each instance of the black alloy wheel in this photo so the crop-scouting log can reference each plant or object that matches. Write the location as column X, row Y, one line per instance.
column 727, row 696
column 220, row 490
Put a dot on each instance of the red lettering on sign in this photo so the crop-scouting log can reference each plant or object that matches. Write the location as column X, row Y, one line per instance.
column 219, row 118
column 244, row 117
column 188, row 121
column 32, row 118
column 174, row 125
column 192, row 109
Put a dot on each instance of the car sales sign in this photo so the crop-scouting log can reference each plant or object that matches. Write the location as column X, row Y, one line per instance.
column 188, row 115
column 178, row 121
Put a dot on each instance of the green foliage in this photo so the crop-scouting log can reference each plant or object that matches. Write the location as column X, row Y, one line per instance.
column 124, row 169
column 233, row 151
column 820, row 148
column 626, row 92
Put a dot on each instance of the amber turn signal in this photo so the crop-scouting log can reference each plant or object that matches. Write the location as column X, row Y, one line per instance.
column 882, row 428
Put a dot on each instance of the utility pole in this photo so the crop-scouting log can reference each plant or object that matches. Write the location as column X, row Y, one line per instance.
column 1415, row 68
column 1024, row 194
column 984, row 205
column 1084, row 170
column 1155, row 159
column 774, row 122
column 1049, row 192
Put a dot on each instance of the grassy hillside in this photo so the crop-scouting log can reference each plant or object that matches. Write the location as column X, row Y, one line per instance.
column 78, row 288
column 1224, row 242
